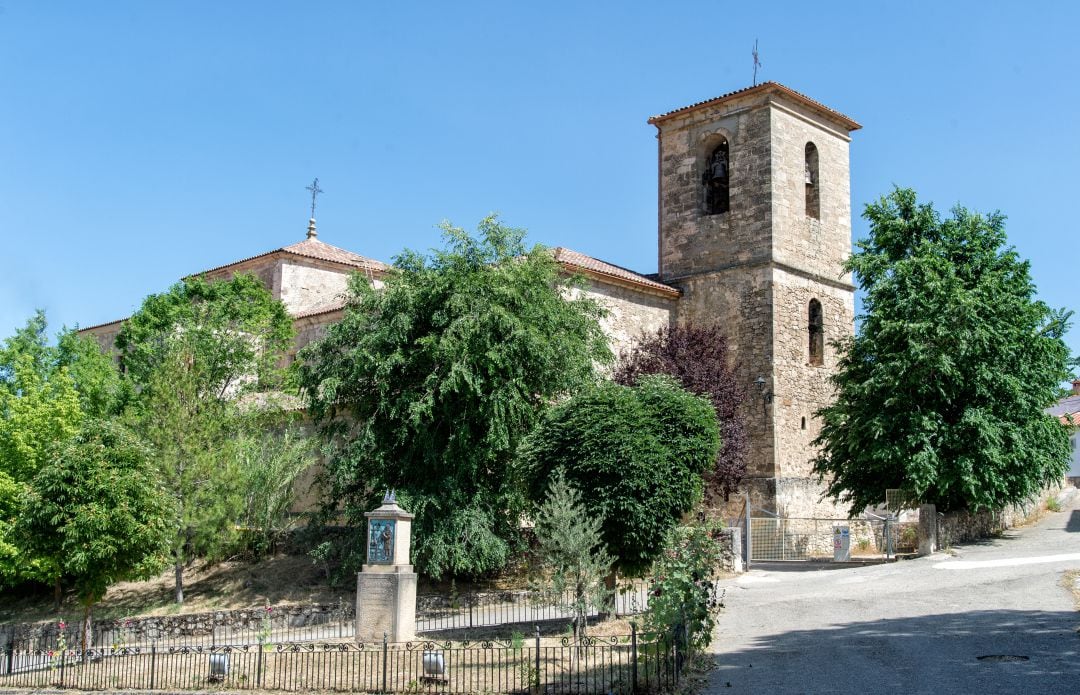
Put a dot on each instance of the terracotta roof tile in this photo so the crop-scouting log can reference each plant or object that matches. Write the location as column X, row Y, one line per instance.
column 574, row 260
column 101, row 325
column 313, row 248
column 1070, row 405
column 329, row 307
column 763, row 87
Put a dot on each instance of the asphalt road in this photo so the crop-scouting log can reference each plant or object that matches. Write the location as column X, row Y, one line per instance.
column 916, row 626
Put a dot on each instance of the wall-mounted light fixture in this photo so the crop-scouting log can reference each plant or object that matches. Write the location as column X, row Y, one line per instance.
column 766, row 396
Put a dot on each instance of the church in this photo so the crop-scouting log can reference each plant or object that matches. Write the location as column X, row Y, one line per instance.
column 754, row 226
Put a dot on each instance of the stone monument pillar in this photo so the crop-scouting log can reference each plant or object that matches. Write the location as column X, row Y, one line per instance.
column 386, row 585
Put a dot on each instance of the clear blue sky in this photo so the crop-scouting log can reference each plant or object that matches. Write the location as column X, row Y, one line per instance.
column 142, row 141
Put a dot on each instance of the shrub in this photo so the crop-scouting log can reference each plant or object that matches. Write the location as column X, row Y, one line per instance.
column 637, row 455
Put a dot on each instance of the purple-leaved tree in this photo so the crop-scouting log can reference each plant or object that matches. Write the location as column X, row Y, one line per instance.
column 696, row 356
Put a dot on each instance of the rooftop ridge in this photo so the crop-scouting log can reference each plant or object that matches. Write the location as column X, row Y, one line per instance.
column 848, row 122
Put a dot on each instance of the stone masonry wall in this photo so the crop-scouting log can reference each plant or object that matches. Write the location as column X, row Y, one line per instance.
column 964, row 527
column 690, row 241
column 801, row 388
column 187, row 625
column 739, row 300
column 630, row 314
column 307, row 286
column 809, row 255
column 755, row 268
column 721, row 262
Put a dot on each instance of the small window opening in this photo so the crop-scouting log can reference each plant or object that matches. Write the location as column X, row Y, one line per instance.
column 715, row 180
column 817, row 333
column 803, row 422
column 813, row 189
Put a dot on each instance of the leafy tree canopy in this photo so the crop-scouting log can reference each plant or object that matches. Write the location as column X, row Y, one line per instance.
column 637, row 454
column 193, row 353
column 942, row 392
column 98, row 512
column 46, row 391
column 697, row 357
column 441, row 374
column 231, row 332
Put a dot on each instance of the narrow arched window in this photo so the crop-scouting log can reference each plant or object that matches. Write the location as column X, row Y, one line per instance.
column 817, row 333
column 715, row 179
column 813, row 187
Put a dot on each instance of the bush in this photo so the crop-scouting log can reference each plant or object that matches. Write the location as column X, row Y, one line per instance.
column 684, row 602
column 637, row 455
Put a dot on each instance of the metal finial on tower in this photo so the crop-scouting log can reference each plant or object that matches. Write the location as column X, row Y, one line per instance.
column 315, row 190
column 757, row 64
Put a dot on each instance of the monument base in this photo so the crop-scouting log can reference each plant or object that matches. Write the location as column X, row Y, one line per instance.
column 386, row 603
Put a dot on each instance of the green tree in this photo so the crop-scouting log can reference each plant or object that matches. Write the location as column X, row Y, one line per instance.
column 233, row 331
column 571, row 553
column 272, row 459
column 697, row 357
column 441, row 374
column 45, row 393
column 942, row 392
column 97, row 511
column 39, row 403
column 636, row 453
column 194, row 355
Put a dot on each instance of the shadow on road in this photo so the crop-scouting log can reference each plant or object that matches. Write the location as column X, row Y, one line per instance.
column 1019, row 650
column 1074, row 522
column 803, row 566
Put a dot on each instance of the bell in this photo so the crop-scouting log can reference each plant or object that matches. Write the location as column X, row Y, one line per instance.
column 718, row 170
column 809, row 176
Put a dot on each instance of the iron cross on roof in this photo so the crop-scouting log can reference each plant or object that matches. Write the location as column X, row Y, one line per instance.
column 315, row 190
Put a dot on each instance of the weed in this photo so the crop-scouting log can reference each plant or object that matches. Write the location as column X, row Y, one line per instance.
column 1052, row 504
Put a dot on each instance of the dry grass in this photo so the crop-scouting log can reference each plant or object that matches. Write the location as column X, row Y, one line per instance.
column 1070, row 581
column 281, row 580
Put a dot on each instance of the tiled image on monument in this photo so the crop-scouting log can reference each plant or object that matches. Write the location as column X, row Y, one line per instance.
column 381, row 541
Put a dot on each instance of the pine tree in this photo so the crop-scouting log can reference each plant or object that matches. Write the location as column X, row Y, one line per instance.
column 572, row 553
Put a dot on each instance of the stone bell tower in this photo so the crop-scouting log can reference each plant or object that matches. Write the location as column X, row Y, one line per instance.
column 754, row 226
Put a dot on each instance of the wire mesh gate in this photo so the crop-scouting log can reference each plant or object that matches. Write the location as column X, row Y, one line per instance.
column 787, row 538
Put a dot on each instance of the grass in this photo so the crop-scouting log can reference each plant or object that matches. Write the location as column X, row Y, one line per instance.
column 1070, row 581
column 280, row 580
column 1052, row 504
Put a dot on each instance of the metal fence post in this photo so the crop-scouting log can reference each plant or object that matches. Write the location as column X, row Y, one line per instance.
column 888, row 537
column 259, row 666
column 385, row 654
column 749, row 533
column 11, row 655
column 537, row 678
column 633, row 656
column 63, row 663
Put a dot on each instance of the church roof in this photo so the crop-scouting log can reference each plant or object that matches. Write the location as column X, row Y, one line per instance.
column 763, row 87
column 1067, row 407
column 318, row 250
column 579, row 262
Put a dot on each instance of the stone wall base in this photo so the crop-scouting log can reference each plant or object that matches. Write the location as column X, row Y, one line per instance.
column 385, row 606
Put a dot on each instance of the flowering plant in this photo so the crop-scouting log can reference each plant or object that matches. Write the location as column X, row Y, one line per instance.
column 265, row 625
column 684, row 601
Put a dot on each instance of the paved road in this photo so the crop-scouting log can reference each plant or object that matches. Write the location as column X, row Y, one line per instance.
column 917, row 626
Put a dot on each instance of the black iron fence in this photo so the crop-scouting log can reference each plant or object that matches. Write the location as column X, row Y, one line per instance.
column 434, row 614
column 520, row 607
column 634, row 663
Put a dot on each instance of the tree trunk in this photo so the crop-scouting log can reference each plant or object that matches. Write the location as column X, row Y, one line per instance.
column 58, row 593
column 84, row 638
column 179, row 568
